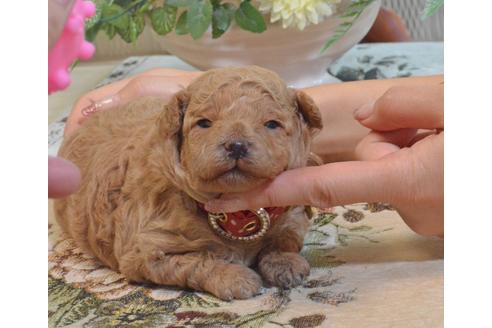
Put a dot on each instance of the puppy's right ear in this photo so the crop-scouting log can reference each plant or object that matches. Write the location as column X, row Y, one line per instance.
column 171, row 119
column 308, row 110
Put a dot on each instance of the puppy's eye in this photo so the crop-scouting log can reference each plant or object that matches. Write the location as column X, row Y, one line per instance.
column 204, row 123
column 272, row 124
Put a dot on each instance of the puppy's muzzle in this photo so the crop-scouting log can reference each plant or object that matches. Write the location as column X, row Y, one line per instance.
column 236, row 149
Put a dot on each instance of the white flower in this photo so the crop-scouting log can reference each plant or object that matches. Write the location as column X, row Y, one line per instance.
column 299, row 13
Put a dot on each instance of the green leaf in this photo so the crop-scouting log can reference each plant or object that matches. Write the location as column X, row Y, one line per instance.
column 178, row 3
column 110, row 31
column 222, row 18
column 128, row 34
column 135, row 27
column 97, row 16
column 163, row 19
column 145, row 7
column 358, row 5
column 116, row 16
column 139, row 20
column 199, row 18
column 249, row 18
column 345, row 25
column 431, row 7
column 122, row 3
column 352, row 14
column 91, row 33
column 181, row 25
column 133, row 31
column 74, row 64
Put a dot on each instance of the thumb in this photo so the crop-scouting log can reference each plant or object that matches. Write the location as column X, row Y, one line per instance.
column 63, row 177
column 322, row 186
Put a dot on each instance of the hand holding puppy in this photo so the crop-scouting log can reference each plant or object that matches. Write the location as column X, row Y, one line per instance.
column 398, row 164
column 162, row 83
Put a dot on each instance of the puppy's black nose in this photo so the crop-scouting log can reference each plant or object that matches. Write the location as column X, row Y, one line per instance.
column 236, row 149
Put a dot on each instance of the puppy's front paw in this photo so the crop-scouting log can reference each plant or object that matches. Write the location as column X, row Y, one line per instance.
column 229, row 281
column 285, row 270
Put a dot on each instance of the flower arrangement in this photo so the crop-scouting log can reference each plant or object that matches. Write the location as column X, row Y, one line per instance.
column 127, row 18
column 298, row 13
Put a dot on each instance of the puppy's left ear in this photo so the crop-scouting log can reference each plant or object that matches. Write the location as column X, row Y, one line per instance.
column 308, row 110
column 171, row 119
column 169, row 125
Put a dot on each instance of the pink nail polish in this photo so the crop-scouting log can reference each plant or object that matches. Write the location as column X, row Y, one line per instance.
column 97, row 106
column 86, row 111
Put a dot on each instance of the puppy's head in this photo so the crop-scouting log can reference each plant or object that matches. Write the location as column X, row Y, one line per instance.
column 234, row 128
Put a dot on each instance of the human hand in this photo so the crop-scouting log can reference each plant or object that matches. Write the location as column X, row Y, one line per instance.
column 58, row 11
column 161, row 83
column 399, row 164
column 63, row 177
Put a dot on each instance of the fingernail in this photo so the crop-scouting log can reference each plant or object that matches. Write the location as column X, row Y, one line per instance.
column 96, row 106
column 86, row 111
column 364, row 111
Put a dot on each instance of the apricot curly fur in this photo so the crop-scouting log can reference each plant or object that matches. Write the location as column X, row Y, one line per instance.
column 147, row 164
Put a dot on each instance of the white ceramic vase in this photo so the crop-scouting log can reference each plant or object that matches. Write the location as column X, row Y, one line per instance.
column 293, row 54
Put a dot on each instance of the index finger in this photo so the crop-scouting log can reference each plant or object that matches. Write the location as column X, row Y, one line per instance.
column 417, row 107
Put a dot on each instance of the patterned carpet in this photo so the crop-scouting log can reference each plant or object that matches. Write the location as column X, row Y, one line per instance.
column 83, row 293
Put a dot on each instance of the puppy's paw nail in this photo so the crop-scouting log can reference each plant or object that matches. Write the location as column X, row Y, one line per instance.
column 284, row 270
column 234, row 281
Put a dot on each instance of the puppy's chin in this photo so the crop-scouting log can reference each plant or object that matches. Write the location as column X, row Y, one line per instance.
column 230, row 181
column 232, row 176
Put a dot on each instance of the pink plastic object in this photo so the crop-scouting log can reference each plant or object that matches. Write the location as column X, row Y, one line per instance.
column 71, row 46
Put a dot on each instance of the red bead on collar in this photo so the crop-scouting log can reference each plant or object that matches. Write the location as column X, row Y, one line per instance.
column 244, row 225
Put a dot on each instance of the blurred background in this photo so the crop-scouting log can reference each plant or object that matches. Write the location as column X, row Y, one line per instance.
column 410, row 11
column 430, row 29
column 397, row 21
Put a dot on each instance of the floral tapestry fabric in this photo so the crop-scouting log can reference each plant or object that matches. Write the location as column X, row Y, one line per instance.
column 340, row 246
